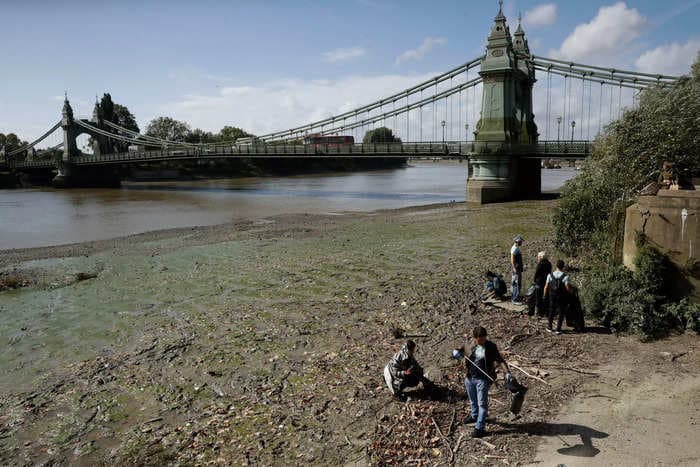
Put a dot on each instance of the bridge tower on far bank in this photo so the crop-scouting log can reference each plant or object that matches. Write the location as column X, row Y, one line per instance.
column 496, row 173
column 67, row 173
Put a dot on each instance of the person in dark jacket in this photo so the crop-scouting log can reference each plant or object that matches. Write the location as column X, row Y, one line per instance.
column 481, row 372
column 544, row 269
column 403, row 371
column 557, row 289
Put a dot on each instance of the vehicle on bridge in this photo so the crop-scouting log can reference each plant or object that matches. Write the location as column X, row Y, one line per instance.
column 318, row 140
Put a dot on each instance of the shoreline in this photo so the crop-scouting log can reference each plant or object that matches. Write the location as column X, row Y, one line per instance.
column 11, row 256
column 264, row 341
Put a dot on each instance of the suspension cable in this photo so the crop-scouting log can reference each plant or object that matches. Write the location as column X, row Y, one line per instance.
column 35, row 142
column 425, row 84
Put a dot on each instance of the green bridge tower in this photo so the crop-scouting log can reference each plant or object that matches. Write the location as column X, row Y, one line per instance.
column 496, row 171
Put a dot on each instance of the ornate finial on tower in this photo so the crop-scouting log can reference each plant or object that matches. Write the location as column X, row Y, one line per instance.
column 500, row 14
column 520, row 43
column 67, row 109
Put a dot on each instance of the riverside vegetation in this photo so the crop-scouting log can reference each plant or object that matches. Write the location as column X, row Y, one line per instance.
column 589, row 220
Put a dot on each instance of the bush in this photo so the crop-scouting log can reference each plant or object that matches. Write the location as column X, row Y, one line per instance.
column 687, row 313
column 642, row 302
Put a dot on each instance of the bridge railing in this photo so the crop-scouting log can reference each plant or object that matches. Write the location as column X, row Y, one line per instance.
column 554, row 149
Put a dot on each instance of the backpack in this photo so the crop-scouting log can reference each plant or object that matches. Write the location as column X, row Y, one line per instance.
column 557, row 289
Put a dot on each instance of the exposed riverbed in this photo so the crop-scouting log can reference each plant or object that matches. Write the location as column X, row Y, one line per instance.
column 262, row 341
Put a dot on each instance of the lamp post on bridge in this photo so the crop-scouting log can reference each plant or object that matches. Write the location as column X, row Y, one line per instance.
column 442, row 123
column 558, row 127
column 573, row 125
column 466, row 132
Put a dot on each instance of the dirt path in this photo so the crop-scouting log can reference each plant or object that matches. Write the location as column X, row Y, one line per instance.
column 644, row 409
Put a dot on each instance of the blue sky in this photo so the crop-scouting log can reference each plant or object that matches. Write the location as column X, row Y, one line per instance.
column 268, row 65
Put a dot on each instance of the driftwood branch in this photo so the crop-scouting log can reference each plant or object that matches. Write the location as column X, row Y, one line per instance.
column 444, row 438
column 528, row 374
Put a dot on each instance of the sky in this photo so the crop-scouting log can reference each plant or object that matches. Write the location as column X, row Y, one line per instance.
column 267, row 65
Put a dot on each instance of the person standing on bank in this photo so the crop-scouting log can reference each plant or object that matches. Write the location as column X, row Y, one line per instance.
column 516, row 268
column 481, row 372
column 544, row 269
column 558, row 290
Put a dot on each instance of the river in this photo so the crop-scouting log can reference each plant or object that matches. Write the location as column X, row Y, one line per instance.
column 44, row 216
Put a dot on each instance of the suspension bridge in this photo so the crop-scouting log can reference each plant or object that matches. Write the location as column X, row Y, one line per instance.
column 503, row 150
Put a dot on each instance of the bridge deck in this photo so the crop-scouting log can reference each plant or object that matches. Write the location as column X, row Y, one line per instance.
column 542, row 150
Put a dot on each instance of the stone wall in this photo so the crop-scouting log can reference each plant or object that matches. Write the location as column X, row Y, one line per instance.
column 670, row 221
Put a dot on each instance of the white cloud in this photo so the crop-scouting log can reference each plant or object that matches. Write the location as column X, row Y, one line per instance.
column 670, row 59
column 343, row 55
column 276, row 105
column 541, row 15
column 429, row 43
column 605, row 36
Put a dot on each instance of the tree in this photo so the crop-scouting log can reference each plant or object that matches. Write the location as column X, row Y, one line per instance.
column 168, row 129
column 200, row 136
column 231, row 133
column 10, row 142
column 380, row 135
column 117, row 114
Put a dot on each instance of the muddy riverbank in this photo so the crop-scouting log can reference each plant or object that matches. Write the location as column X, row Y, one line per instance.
column 262, row 341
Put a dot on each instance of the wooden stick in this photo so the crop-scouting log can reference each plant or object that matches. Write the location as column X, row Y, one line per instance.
column 492, row 446
column 528, row 374
column 562, row 367
column 446, row 441
column 459, row 442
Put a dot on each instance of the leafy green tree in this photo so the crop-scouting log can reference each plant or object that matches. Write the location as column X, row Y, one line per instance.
column 10, row 142
column 119, row 115
column 380, row 135
column 200, row 136
column 168, row 128
column 231, row 133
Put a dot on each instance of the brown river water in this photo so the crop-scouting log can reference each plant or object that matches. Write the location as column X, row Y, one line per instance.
column 44, row 216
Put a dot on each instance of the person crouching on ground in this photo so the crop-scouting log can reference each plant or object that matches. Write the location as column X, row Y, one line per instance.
column 403, row 371
column 481, row 372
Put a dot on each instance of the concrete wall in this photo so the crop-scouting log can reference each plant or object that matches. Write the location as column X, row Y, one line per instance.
column 662, row 220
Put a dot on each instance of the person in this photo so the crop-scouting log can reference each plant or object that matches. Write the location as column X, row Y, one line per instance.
column 495, row 287
column 557, row 289
column 516, row 266
column 403, row 371
column 544, row 269
column 481, row 372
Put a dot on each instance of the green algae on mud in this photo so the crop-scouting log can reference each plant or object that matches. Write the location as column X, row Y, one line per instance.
column 254, row 342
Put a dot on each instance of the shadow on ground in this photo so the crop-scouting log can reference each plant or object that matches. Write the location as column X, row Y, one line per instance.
column 585, row 449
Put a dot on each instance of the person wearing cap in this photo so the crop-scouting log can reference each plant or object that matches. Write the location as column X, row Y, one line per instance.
column 516, row 265
column 403, row 371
